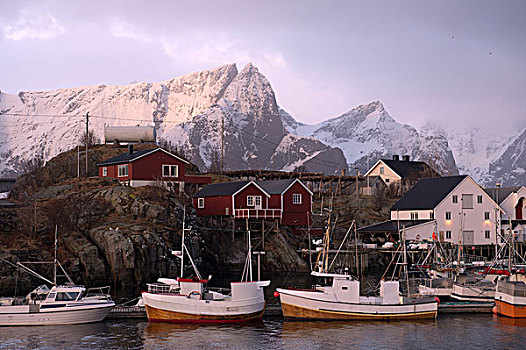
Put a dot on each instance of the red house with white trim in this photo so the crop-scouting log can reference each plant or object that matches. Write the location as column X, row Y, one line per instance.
column 149, row 167
column 288, row 200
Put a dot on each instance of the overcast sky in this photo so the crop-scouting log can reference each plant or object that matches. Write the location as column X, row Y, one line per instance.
column 447, row 61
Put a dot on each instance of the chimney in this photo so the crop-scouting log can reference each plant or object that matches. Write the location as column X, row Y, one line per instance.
column 405, row 158
column 396, row 157
column 130, row 148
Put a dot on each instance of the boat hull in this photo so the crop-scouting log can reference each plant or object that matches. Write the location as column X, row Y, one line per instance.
column 510, row 310
column 473, row 293
column 20, row 316
column 305, row 308
column 160, row 315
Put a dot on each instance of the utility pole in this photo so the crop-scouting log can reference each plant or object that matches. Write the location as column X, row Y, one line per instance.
column 87, row 138
column 222, row 147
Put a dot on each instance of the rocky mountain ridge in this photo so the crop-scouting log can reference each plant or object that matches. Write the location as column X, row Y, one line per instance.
column 197, row 112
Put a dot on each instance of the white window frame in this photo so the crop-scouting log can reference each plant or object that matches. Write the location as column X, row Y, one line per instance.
column 414, row 215
column 454, row 199
column 123, row 170
column 200, row 203
column 487, row 234
column 172, row 170
column 382, row 170
column 479, row 199
column 295, row 197
column 250, row 201
column 104, row 171
column 448, row 234
column 486, row 215
column 258, row 202
column 448, row 215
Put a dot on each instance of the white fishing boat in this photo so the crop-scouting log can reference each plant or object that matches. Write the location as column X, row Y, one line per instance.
column 60, row 305
column 439, row 287
column 510, row 298
column 473, row 289
column 338, row 298
column 188, row 300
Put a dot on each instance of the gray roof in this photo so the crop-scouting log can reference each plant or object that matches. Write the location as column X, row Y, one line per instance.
column 391, row 225
column 410, row 169
column 427, row 193
column 127, row 157
column 502, row 192
column 222, row 189
column 275, row 186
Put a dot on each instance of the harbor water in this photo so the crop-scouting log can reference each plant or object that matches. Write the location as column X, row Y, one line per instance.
column 447, row 332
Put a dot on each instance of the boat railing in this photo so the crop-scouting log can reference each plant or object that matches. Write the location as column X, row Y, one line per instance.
column 159, row 288
column 100, row 293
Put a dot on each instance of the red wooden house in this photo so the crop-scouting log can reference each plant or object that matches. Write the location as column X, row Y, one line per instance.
column 288, row 200
column 149, row 167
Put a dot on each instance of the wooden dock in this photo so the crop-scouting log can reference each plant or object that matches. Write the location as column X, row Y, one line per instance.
column 274, row 310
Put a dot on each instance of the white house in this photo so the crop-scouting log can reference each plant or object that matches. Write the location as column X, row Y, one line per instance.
column 403, row 172
column 453, row 208
column 512, row 200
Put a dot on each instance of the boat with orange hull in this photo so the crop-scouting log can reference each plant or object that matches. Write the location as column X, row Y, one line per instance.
column 510, row 298
column 341, row 300
column 188, row 300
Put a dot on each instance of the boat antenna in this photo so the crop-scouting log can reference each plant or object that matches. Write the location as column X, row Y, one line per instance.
column 406, row 270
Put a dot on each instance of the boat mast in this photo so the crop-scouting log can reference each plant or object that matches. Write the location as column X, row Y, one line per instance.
column 406, row 270
column 182, row 243
column 55, row 260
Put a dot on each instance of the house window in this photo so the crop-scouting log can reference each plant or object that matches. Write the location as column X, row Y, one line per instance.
column 104, row 171
column 467, row 201
column 448, row 234
column 386, row 180
column 455, row 199
column 486, row 234
column 486, row 215
column 382, row 170
column 296, row 198
column 250, row 201
column 414, row 216
column 200, row 203
column 123, row 170
column 448, row 215
column 170, row 170
column 479, row 199
column 257, row 201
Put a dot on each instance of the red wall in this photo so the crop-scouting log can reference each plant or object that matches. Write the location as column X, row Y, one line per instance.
column 240, row 200
column 214, row 206
column 150, row 167
column 296, row 214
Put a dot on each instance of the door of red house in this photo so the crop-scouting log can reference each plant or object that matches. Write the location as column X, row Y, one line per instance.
column 257, row 202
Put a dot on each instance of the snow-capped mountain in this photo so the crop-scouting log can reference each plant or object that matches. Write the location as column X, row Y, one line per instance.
column 509, row 166
column 368, row 132
column 187, row 111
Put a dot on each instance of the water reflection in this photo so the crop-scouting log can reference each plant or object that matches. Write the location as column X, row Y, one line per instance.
column 448, row 332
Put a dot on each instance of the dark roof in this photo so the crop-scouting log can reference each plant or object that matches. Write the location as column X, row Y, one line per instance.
column 127, row 157
column 409, row 169
column 391, row 225
column 503, row 192
column 427, row 193
column 275, row 186
column 222, row 189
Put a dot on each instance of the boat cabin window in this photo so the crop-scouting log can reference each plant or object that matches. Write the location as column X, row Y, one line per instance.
column 51, row 296
column 344, row 288
column 323, row 281
column 66, row 296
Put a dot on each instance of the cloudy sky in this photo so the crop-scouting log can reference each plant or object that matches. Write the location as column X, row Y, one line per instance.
column 447, row 61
